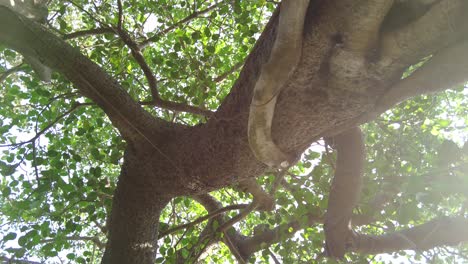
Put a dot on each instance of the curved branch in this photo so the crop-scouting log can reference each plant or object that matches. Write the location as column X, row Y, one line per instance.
column 284, row 58
column 345, row 190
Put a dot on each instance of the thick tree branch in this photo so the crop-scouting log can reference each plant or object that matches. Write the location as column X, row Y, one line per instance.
column 442, row 231
column 444, row 24
column 359, row 31
column 345, row 190
column 33, row 40
column 446, row 69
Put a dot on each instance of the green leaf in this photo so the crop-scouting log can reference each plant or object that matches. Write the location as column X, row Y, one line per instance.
column 9, row 236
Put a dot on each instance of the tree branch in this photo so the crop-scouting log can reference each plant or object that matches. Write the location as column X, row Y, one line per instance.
column 178, row 107
column 18, row 261
column 42, row 131
column 7, row 73
column 202, row 219
column 152, row 81
column 345, row 190
column 89, row 32
column 95, row 240
column 265, row 201
column 442, row 231
column 444, row 70
column 267, row 237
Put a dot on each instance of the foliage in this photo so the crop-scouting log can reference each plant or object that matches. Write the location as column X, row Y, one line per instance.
column 60, row 156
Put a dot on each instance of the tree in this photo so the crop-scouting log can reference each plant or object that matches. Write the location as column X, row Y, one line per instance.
column 138, row 149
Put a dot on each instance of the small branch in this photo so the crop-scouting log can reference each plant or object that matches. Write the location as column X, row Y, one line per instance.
column 192, row 16
column 153, row 83
column 202, row 219
column 18, row 261
column 120, row 15
column 179, row 107
column 95, row 240
column 272, row 255
column 73, row 108
column 7, row 73
column 136, row 53
column 89, row 32
column 225, row 74
column 234, row 248
column 268, row 237
column 229, row 223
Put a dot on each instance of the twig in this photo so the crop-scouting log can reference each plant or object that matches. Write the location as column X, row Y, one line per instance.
column 93, row 239
column 203, row 218
column 73, row 108
column 194, row 15
column 225, row 74
column 7, row 73
column 226, row 225
column 89, row 32
column 179, row 107
column 18, row 261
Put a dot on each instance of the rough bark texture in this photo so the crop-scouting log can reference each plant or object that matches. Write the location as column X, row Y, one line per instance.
column 348, row 63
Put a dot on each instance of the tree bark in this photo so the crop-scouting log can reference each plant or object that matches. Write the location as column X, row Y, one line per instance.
column 133, row 223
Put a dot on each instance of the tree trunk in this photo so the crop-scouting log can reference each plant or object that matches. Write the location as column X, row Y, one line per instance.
column 133, row 223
